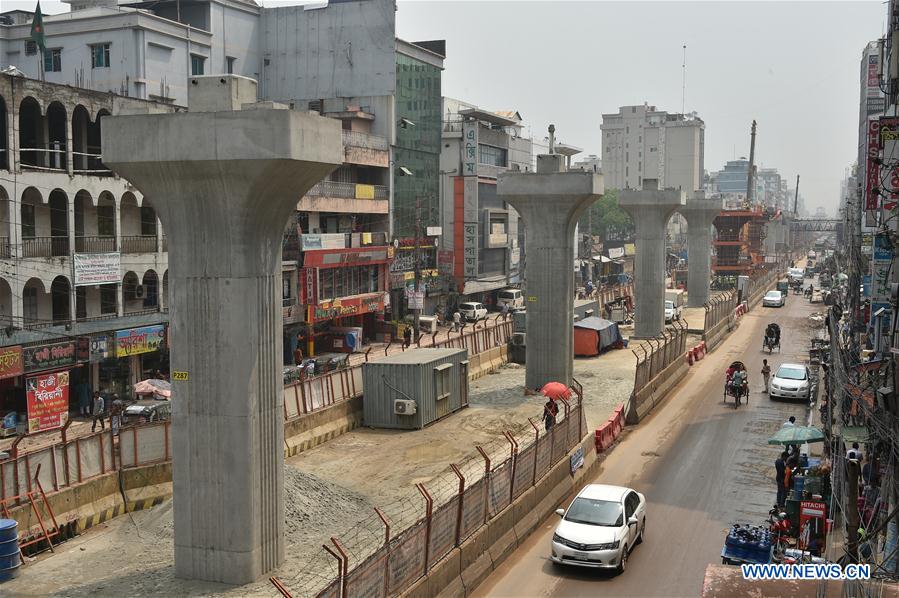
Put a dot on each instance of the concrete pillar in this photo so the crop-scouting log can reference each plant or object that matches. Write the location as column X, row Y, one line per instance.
column 650, row 210
column 69, row 157
column 549, row 201
column 224, row 182
column 700, row 214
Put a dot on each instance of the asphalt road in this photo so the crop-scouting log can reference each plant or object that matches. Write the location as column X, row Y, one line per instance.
column 702, row 466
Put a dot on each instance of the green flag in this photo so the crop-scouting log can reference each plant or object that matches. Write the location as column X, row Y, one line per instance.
column 37, row 28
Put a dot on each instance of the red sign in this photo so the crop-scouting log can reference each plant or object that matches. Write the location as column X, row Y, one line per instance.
column 11, row 363
column 872, row 168
column 889, row 139
column 309, row 286
column 349, row 306
column 48, row 401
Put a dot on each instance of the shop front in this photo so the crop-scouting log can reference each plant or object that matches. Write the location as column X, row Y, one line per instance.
column 123, row 358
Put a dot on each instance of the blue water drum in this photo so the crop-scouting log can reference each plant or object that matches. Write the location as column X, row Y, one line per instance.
column 799, row 485
column 10, row 558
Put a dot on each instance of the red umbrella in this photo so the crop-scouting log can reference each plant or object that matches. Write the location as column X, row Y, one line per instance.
column 555, row 391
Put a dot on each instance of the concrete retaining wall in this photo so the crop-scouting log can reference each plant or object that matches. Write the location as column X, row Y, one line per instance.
column 465, row 567
column 645, row 400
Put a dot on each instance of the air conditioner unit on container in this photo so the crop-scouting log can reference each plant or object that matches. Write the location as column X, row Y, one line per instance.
column 404, row 407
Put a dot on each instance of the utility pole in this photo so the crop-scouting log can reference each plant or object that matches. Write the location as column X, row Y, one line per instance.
column 796, row 198
column 749, row 180
column 416, row 313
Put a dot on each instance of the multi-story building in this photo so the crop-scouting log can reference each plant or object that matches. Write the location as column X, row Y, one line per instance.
column 589, row 163
column 83, row 262
column 641, row 142
column 480, row 230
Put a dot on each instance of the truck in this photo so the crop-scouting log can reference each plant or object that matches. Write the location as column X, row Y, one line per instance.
column 796, row 274
column 675, row 299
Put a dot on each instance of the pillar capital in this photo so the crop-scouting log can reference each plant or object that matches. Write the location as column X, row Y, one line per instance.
column 224, row 184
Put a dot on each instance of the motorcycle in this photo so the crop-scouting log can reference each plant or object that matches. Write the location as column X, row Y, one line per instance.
column 779, row 524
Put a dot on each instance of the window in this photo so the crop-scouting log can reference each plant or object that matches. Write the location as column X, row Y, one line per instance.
column 30, row 47
column 631, row 503
column 286, row 295
column 53, row 60
column 442, row 381
column 108, row 298
column 80, row 303
column 106, row 221
column 196, row 64
column 493, row 156
column 230, row 64
column 100, row 56
column 27, row 221
column 29, row 304
column 147, row 221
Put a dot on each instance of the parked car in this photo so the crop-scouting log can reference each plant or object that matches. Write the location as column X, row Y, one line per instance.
column 773, row 299
column 790, row 381
column 671, row 312
column 600, row 528
column 473, row 311
column 148, row 410
column 511, row 297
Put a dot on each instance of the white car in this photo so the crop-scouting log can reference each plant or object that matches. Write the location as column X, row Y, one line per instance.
column 790, row 381
column 773, row 299
column 671, row 312
column 600, row 527
column 473, row 311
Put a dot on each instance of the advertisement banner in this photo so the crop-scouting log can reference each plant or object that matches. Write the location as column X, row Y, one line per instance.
column 11, row 364
column 96, row 268
column 873, row 76
column 351, row 306
column 416, row 300
column 616, row 252
column 812, row 525
column 48, row 401
column 99, row 348
column 872, row 168
column 889, row 140
column 49, row 357
column 135, row 341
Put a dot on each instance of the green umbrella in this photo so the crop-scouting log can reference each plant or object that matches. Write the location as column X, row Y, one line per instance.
column 797, row 435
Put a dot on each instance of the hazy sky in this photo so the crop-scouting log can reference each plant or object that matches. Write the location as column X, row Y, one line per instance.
column 792, row 66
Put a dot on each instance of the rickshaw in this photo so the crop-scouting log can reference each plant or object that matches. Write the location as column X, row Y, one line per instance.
column 732, row 390
column 771, row 340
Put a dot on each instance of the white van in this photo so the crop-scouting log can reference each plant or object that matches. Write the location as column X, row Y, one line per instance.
column 511, row 297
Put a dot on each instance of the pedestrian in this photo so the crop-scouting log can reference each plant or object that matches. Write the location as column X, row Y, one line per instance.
column 505, row 310
column 790, row 423
column 550, row 411
column 99, row 408
column 115, row 414
column 457, row 322
column 792, row 463
column 780, row 469
column 298, row 352
column 766, row 373
column 407, row 337
column 854, row 453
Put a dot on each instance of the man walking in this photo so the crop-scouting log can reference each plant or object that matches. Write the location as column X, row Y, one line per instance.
column 457, row 321
column 780, row 468
column 407, row 337
column 790, row 423
column 550, row 411
column 99, row 408
column 766, row 373
column 115, row 414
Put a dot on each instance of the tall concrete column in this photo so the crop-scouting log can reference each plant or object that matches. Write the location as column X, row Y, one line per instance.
column 650, row 210
column 549, row 201
column 700, row 214
column 225, row 181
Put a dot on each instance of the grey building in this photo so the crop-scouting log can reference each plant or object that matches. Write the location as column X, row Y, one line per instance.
column 480, row 230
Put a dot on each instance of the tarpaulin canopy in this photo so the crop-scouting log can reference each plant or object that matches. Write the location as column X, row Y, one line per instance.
column 594, row 335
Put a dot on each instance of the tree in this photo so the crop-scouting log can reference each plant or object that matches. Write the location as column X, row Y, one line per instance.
column 608, row 220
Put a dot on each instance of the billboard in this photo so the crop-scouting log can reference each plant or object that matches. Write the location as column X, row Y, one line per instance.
column 135, row 341
column 872, row 168
column 48, row 401
column 96, row 268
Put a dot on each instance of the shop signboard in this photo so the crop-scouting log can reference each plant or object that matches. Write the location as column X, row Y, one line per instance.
column 630, row 249
column 135, row 341
column 416, row 300
column 872, row 167
column 470, row 148
column 812, row 525
column 445, row 261
column 99, row 348
column 291, row 314
column 350, row 306
column 49, row 356
column 11, row 362
column 96, row 268
column 48, row 401
column 616, row 252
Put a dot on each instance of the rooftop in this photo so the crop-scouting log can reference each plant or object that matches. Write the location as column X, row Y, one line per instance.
column 417, row 356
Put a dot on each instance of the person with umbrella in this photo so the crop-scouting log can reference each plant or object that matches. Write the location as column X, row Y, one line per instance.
column 550, row 411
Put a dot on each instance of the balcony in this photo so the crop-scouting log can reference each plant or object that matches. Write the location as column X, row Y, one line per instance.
column 139, row 244
column 4, row 247
column 364, row 140
column 94, row 244
column 365, row 150
column 45, row 246
column 346, row 198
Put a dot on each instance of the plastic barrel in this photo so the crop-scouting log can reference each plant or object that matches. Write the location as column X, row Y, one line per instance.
column 10, row 558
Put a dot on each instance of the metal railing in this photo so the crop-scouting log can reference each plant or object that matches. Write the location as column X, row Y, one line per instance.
column 4, row 248
column 335, row 241
column 344, row 190
column 94, row 244
column 43, row 158
column 45, row 246
column 139, row 244
column 358, row 139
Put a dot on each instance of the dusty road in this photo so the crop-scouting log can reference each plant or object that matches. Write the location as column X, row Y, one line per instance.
column 701, row 464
